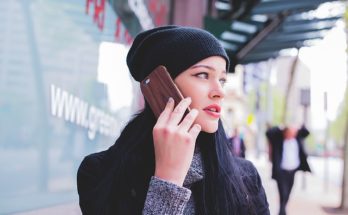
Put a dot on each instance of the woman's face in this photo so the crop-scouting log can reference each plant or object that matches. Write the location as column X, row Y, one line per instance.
column 203, row 82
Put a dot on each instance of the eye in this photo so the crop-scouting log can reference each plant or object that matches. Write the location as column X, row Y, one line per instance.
column 202, row 75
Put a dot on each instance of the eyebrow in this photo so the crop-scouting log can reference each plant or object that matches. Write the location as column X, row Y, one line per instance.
column 206, row 66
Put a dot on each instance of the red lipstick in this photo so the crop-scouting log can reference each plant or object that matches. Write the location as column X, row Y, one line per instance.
column 213, row 110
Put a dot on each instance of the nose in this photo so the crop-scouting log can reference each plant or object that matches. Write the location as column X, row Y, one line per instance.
column 216, row 90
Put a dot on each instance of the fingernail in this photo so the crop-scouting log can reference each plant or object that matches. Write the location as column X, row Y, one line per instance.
column 170, row 100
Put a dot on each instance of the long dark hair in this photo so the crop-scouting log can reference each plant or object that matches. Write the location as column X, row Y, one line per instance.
column 130, row 164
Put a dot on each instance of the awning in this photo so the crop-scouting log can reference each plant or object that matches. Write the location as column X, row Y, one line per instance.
column 253, row 30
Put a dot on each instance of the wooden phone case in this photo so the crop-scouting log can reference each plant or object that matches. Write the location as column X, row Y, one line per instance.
column 157, row 88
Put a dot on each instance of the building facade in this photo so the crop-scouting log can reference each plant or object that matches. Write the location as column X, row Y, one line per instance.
column 65, row 90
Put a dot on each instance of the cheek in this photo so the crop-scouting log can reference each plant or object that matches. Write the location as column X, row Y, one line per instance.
column 185, row 91
column 193, row 91
column 195, row 104
column 186, row 84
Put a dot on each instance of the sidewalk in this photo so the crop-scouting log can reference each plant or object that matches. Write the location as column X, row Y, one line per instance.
column 313, row 198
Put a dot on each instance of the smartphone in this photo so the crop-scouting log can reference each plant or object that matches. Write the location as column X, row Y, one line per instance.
column 158, row 87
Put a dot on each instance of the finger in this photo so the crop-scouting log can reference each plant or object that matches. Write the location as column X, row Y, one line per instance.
column 164, row 116
column 194, row 131
column 179, row 110
column 187, row 122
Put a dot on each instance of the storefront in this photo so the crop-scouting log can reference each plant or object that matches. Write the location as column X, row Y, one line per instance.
column 65, row 90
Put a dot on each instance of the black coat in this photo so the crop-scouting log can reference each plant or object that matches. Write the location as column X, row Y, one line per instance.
column 95, row 168
column 276, row 138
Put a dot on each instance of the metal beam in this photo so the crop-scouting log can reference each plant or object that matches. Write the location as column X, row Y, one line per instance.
column 274, row 23
column 286, row 37
column 314, row 26
column 273, row 7
column 283, row 45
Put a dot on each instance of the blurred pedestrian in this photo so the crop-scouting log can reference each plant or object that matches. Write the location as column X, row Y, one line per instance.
column 287, row 157
column 175, row 164
column 236, row 143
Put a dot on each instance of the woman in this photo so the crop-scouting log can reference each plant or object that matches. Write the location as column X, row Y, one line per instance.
column 172, row 165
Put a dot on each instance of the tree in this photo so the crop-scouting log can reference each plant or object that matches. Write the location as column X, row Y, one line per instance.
column 344, row 198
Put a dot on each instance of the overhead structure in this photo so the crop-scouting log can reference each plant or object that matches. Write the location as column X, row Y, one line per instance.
column 257, row 30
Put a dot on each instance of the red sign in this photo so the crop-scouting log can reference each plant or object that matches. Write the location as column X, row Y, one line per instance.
column 159, row 11
column 121, row 33
column 96, row 8
column 99, row 12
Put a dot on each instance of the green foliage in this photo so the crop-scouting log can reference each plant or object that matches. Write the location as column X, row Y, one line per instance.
column 251, row 100
column 278, row 104
column 338, row 126
column 312, row 147
column 263, row 92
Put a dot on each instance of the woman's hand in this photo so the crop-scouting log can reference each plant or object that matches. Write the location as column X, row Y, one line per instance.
column 175, row 141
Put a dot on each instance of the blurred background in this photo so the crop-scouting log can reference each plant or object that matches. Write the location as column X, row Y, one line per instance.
column 65, row 89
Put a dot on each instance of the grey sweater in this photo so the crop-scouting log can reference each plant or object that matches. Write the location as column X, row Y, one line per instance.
column 164, row 197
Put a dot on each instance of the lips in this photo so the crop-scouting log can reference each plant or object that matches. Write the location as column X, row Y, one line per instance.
column 213, row 110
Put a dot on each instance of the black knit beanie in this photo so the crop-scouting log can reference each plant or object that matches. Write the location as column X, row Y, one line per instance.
column 175, row 47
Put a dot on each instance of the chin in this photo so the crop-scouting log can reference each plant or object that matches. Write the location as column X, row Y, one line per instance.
column 209, row 128
column 208, row 125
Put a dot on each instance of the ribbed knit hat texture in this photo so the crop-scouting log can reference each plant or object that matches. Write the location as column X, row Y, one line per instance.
column 175, row 47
